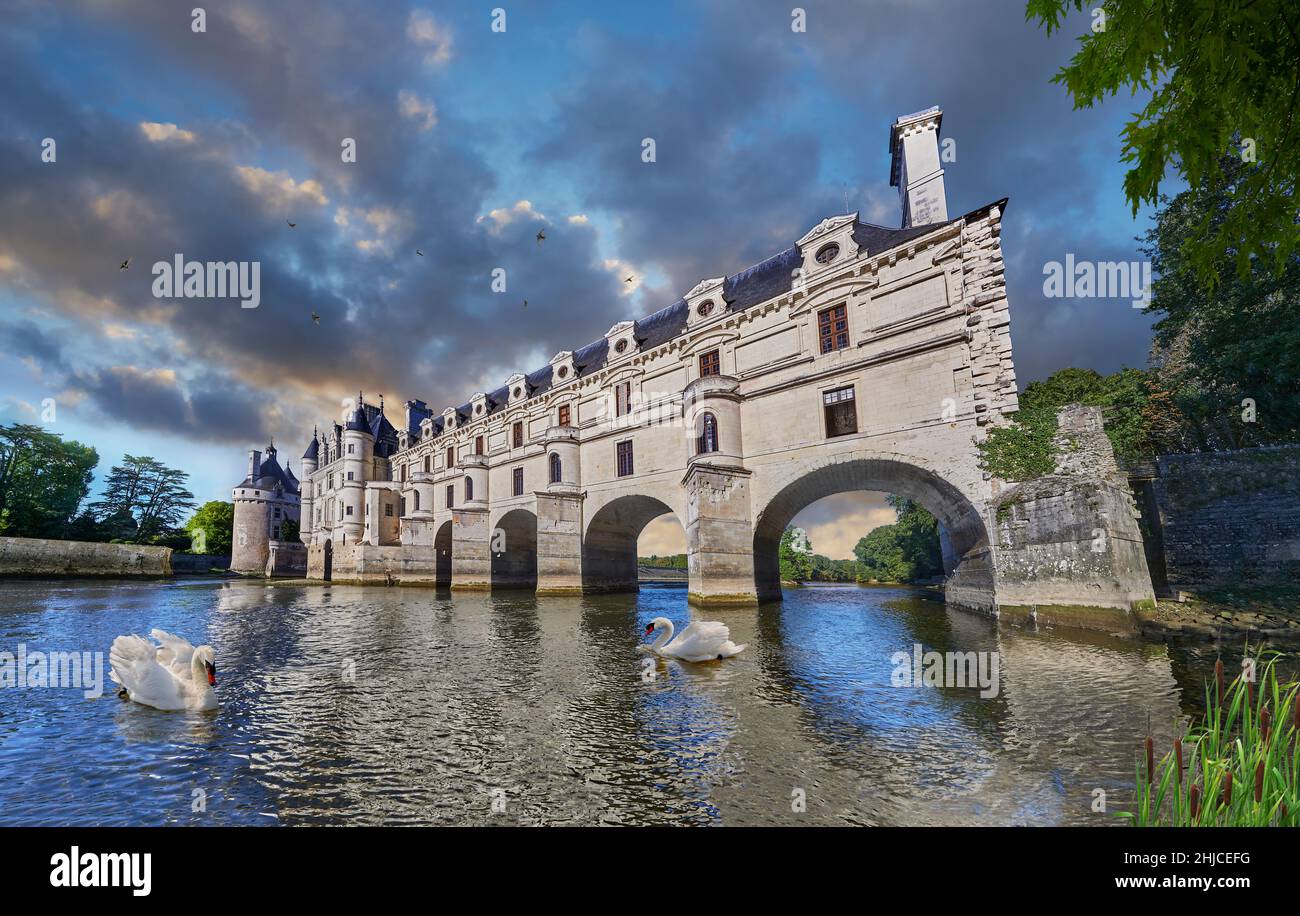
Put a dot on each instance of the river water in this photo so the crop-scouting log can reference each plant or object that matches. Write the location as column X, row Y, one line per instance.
column 348, row 705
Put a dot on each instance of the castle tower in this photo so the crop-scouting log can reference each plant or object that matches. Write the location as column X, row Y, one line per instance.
column 358, row 455
column 307, row 530
column 263, row 501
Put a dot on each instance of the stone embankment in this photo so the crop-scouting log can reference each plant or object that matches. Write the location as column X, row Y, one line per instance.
column 38, row 557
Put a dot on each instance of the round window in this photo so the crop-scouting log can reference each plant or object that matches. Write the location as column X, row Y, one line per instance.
column 620, row 346
column 478, row 409
column 704, row 308
column 518, row 392
column 564, row 371
column 828, row 253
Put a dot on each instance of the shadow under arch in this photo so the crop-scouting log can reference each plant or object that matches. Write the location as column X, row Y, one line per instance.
column 514, row 550
column 609, row 543
column 442, row 555
column 970, row 582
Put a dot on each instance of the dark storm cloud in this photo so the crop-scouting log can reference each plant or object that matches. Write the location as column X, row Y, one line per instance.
column 740, row 175
column 756, row 129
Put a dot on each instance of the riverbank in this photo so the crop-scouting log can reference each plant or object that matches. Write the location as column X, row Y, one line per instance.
column 1269, row 613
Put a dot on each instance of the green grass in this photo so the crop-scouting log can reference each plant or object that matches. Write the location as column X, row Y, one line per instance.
column 1238, row 767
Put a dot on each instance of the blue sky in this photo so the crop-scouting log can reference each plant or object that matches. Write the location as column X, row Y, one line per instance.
column 469, row 141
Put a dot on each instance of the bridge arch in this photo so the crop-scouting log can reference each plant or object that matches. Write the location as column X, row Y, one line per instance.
column 609, row 544
column 442, row 547
column 514, row 550
column 961, row 518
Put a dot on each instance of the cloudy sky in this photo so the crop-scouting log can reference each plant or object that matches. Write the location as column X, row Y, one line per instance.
column 468, row 141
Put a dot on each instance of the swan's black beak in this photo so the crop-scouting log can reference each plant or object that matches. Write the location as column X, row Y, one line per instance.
column 649, row 628
column 212, row 673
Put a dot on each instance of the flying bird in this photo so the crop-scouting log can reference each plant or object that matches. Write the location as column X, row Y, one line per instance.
column 628, row 279
column 125, row 264
column 419, row 252
column 541, row 236
column 315, row 318
column 525, row 303
column 291, row 225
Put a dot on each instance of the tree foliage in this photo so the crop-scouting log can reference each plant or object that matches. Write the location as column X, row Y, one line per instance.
column 1226, row 363
column 1221, row 76
column 43, row 480
column 150, row 493
column 216, row 519
column 906, row 551
column 796, row 563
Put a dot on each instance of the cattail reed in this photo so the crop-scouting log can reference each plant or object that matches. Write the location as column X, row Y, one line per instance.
column 1250, row 692
column 1195, row 800
column 1265, row 723
column 1151, row 760
column 1227, row 789
column 1218, row 677
column 1259, row 782
column 1178, row 756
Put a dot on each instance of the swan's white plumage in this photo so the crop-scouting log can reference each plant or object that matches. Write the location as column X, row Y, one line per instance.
column 701, row 641
column 163, row 677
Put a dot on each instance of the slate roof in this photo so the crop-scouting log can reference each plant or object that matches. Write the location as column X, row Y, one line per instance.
column 270, row 474
column 751, row 286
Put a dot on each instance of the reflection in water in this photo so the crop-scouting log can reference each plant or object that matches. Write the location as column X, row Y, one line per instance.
column 370, row 706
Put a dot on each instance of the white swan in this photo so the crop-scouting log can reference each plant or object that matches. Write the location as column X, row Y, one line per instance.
column 701, row 641
column 174, row 675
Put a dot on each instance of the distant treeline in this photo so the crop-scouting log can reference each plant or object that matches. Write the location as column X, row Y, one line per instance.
column 45, row 480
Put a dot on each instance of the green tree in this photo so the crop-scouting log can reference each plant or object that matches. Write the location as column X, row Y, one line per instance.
column 1227, row 361
column 1221, row 75
column 43, row 480
column 289, row 529
column 148, row 491
column 906, row 551
column 796, row 564
column 216, row 521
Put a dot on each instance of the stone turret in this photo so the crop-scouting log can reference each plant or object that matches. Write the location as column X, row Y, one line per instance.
column 263, row 501
column 916, row 169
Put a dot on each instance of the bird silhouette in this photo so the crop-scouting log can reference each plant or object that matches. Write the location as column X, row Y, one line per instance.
column 125, row 264
column 419, row 252
column 525, row 303
column 628, row 279
column 291, row 225
column 541, row 236
column 315, row 318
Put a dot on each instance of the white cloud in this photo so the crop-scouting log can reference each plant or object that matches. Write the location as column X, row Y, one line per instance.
column 279, row 189
column 422, row 111
column 159, row 133
column 504, row 216
column 427, row 32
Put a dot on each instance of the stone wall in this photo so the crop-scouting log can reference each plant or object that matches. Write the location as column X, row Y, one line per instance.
column 40, row 557
column 198, row 563
column 1069, row 550
column 1230, row 517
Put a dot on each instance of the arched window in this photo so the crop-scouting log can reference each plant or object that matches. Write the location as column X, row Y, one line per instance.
column 708, row 438
column 469, row 488
column 555, row 468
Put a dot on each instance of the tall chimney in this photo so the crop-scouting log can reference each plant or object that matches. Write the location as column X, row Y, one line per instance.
column 915, row 167
column 254, row 464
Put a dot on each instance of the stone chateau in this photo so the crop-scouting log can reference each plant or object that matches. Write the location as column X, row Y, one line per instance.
column 862, row 357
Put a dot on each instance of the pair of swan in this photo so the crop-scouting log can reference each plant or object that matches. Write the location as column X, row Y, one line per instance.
column 172, row 675
column 701, row 641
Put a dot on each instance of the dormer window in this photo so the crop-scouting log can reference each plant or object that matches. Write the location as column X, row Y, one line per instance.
column 704, row 308
column 828, row 253
column 620, row 347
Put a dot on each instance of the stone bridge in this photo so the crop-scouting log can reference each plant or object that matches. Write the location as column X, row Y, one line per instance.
column 860, row 358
